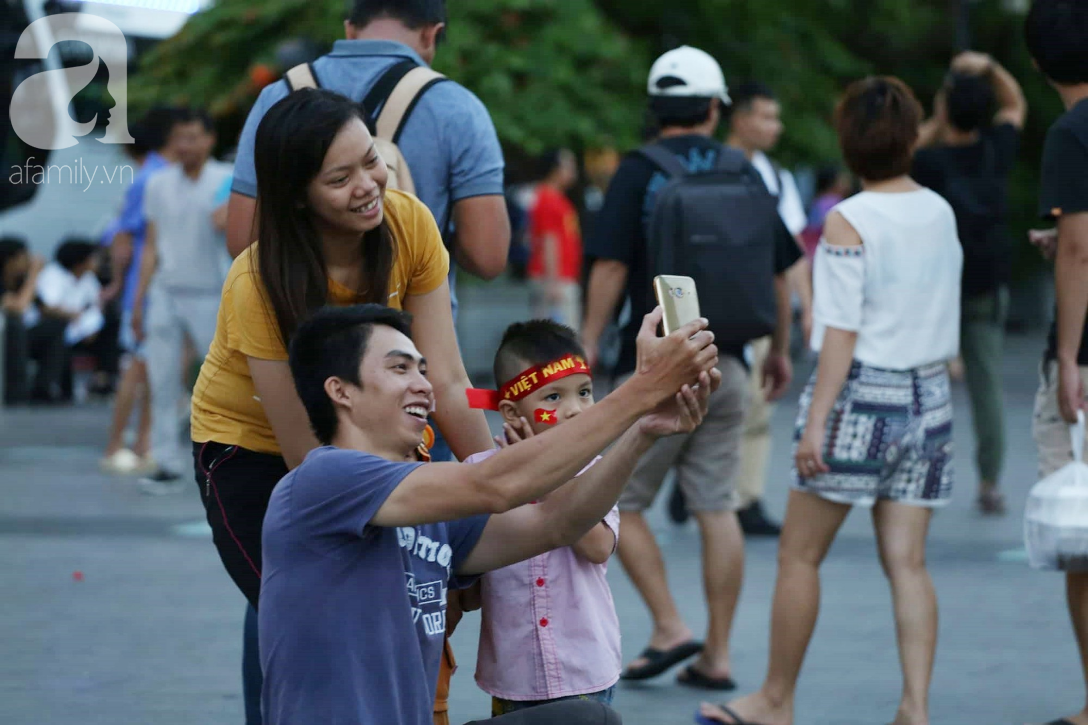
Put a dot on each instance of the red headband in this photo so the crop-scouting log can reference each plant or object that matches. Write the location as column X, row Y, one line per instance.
column 526, row 382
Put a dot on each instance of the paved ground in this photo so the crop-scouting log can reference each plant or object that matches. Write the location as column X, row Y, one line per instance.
column 152, row 632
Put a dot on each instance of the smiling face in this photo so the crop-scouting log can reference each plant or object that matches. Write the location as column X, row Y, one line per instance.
column 564, row 399
column 392, row 403
column 346, row 196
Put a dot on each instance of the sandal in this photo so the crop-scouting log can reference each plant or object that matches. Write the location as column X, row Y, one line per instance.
column 661, row 660
column 694, row 677
column 734, row 717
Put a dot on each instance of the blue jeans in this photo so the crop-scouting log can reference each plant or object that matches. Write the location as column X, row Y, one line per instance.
column 252, row 678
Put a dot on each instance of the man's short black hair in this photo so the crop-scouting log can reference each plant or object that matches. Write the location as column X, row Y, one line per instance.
column 156, row 125
column 74, row 251
column 529, row 344
column 679, row 111
column 191, row 115
column 413, row 13
column 332, row 343
column 1057, row 38
column 970, row 101
column 744, row 94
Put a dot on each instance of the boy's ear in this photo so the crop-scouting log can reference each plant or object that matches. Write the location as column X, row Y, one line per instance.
column 509, row 411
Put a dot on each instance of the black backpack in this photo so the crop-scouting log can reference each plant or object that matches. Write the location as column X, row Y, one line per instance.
column 717, row 227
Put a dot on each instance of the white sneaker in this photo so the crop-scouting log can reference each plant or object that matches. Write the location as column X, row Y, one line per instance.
column 123, row 462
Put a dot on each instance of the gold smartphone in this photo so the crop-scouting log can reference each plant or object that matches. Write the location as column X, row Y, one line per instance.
column 678, row 300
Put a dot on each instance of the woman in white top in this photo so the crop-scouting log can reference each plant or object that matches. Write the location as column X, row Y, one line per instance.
column 875, row 424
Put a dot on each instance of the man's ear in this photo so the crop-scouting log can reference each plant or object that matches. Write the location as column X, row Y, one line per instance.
column 337, row 391
column 430, row 36
column 509, row 411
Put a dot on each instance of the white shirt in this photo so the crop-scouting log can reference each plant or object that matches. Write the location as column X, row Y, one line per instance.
column 192, row 252
column 57, row 287
column 790, row 207
column 899, row 290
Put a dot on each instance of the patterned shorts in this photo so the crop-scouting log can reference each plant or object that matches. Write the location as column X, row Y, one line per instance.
column 889, row 436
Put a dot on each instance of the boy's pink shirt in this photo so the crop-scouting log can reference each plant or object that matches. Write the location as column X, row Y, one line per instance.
column 549, row 625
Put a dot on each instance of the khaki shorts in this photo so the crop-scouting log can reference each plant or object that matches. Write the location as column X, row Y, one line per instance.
column 1050, row 430
column 707, row 461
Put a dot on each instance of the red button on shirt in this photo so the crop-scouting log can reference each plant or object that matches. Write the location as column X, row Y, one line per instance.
column 540, row 582
column 544, row 622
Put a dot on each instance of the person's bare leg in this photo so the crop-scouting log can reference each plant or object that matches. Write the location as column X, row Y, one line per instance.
column 1076, row 594
column 723, row 572
column 641, row 558
column 127, row 392
column 142, row 445
column 901, row 540
column 807, row 533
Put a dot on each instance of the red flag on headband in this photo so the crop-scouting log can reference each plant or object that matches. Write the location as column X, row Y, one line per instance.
column 547, row 417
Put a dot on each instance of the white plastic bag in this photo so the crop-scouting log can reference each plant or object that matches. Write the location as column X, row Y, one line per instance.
column 1056, row 517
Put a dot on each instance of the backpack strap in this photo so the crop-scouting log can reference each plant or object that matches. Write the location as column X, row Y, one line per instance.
column 665, row 159
column 403, row 99
column 301, row 76
column 374, row 102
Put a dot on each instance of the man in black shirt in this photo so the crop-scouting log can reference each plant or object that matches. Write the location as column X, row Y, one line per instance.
column 1057, row 37
column 686, row 89
column 968, row 164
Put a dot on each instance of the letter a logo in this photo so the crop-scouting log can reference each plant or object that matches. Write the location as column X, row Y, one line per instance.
column 39, row 106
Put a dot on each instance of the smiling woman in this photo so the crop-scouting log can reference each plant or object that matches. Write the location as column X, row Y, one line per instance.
column 331, row 233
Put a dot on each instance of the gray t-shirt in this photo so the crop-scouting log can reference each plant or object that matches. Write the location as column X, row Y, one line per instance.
column 352, row 616
column 192, row 254
column 449, row 140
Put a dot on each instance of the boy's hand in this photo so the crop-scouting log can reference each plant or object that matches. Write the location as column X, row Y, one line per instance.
column 1046, row 241
column 684, row 412
column 517, row 432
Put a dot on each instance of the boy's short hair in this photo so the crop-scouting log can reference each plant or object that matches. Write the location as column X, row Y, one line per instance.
column 533, row 343
column 332, row 343
column 877, row 121
column 194, row 115
column 74, row 251
column 745, row 94
column 1056, row 33
column 970, row 101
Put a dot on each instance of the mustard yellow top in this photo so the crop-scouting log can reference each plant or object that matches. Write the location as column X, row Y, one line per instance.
column 226, row 408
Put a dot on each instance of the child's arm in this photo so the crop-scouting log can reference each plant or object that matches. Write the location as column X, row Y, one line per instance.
column 596, row 546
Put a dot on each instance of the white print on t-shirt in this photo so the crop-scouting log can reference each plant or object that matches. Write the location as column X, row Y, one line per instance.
column 424, row 547
column 431, row 595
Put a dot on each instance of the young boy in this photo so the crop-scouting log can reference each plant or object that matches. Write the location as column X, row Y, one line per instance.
column 549, row 629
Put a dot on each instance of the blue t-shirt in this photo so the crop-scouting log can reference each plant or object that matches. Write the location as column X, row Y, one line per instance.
column 449, row 140
column 352, row 616
column 133, row 221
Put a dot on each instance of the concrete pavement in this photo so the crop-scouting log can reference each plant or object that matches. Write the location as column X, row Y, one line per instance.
column 152, row 632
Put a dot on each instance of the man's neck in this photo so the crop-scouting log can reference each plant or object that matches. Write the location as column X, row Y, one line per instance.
column 353, row 439
column 738, row 143
column 193, row 172
column 674, row 131
column 387, row 29
column 1072, row 95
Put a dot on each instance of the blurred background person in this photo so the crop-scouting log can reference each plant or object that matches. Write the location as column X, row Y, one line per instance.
column 18, row 282
column 833, row 184
column 555, row 261
column 968, row 156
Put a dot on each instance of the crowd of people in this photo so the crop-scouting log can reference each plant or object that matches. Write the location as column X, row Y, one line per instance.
column 355, row 492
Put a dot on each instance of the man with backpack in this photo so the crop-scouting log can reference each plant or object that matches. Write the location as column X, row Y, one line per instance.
column 435, row 135
column 972, row 154
column 687, row 205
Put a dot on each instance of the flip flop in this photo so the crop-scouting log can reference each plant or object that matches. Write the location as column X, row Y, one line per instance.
column 693, row 677
column 661, row 660
column 700, row 720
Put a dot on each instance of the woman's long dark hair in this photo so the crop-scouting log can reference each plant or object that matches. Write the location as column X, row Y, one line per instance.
column 292, row 140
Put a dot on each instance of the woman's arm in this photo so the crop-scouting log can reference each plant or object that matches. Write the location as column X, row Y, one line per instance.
column 276, row 390
column 432, row 328
column 836, row 356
